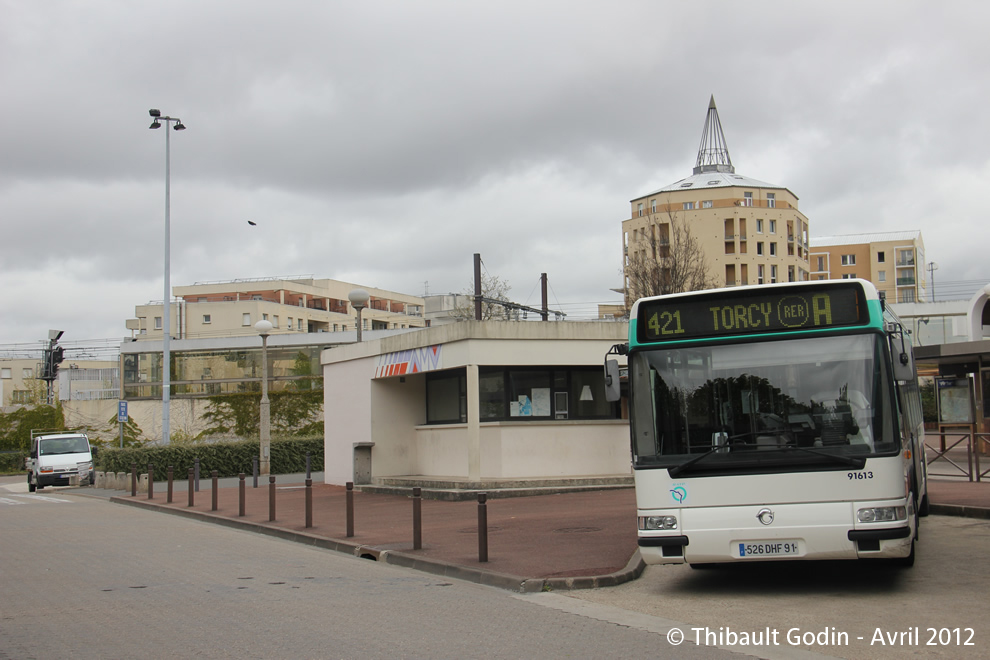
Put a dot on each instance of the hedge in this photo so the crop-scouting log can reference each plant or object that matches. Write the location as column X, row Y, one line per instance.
column 12, row 461
column 288, row 455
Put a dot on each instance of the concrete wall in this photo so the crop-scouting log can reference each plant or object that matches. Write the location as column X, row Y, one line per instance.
column 391, row 412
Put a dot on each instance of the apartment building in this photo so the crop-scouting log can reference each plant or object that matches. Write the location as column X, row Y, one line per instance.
column 894, row 261
column 749, row 231
column 292, row 305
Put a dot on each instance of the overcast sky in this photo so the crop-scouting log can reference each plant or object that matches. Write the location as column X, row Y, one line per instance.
column 384, row 143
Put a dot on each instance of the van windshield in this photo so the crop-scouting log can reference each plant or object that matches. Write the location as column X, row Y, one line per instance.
column 71, row 445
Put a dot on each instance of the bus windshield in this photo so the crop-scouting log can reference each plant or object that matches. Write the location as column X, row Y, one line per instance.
column 772, row 405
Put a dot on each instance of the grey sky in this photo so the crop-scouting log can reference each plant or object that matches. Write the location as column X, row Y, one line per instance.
column 386, row 142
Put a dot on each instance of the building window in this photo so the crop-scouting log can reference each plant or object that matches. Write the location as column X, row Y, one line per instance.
column 773, row 226
column 688, row 206
column 880, row 257
column 21, row 396
column 849, row 276
column 245, row 319
column 907, row 295
column 5, row 373
column 821, row 263
column 773, row 274
column 640, row 209
column 706, row 204
column 759, row 226
column 759, row 274
column 759, row 248
column 771, row 200
column 516, row 393
column 300, row 323
column 207, row 319
column 446, row 397
column 653, row 205
column 27, row 372
column 256, row 296
column 275, row 321
column 849, row 260
column 773, row 249
column 881, row 276
column 158, row 323
column 747, row 199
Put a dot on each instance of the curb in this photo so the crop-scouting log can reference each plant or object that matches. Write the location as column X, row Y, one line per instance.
column 515, row 583
column 960, row 510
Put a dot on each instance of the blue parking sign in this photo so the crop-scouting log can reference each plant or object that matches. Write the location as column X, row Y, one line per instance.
column 121, row 411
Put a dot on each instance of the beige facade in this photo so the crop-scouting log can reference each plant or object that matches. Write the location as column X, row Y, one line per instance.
column 230, row 309
column 21, row 383
column 893, row 261
column 746, row 236
column 475, row 402
column 749, row 232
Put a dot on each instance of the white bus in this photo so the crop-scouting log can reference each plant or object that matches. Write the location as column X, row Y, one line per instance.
column 775, row 422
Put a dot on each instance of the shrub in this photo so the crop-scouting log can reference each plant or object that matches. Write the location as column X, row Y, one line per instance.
column 288, row 455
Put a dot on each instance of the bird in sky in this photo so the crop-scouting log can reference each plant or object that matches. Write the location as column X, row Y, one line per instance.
column 252, row 223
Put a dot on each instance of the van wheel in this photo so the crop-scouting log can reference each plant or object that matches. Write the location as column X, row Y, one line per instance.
column 31, row 486
column 905, row 562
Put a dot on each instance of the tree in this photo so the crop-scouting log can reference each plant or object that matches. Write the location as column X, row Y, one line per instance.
column 493, row 288
column 666, row 258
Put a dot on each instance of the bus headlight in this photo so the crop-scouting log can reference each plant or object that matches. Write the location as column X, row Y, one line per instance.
column 658, row 522
column 882, row 514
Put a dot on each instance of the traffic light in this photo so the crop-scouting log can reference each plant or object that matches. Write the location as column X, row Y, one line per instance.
column 53, row 357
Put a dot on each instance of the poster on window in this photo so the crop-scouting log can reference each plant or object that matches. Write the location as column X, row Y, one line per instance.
column 522, row 407
column 541, row 402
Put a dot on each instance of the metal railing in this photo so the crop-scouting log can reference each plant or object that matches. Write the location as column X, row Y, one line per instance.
column 949, row 454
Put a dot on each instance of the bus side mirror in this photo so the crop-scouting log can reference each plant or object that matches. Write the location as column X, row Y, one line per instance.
column 902, row 356
column 612, row 390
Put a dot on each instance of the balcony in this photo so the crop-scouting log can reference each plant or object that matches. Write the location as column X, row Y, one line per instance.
column 905, row 281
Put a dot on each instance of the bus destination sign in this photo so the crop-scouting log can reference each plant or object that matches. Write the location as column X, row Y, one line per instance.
column 728, row 313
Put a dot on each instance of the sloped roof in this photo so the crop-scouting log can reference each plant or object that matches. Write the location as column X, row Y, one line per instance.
column 713, row 168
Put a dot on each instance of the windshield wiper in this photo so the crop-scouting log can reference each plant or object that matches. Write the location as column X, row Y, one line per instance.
column 677, row 469
column 857, row 463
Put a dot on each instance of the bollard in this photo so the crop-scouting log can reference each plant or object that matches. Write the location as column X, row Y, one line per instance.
column 417, row 518
column 133, row 479
column 350, row 509
column 271, row 498
column 151, row 481
column 309, row 502
column 196, row 474
column 482, row 527
column 240, row 488
column 254, row 462
column 169, row 500
column 216, row 490
column 307, row 466
column 189, row 488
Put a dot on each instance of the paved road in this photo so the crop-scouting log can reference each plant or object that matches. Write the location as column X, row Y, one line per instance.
column 83, row 577
column 948, row 588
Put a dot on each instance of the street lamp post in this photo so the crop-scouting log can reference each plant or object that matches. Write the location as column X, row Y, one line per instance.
column 167, row 299
column 265, row 430
column 359, row 300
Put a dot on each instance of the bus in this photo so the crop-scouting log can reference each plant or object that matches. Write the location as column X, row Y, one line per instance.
column 773, row 422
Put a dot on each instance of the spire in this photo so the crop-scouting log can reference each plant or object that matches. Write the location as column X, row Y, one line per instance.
column 713, row 154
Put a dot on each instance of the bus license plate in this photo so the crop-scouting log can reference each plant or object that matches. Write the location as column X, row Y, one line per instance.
column 767, row 548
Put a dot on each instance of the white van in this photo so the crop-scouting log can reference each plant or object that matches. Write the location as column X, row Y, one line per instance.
column 55, row 458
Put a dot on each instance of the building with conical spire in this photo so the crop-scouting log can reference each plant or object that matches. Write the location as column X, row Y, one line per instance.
column 744, row 231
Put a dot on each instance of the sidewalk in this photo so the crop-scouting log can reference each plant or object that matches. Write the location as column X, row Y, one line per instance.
column 560, row 541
